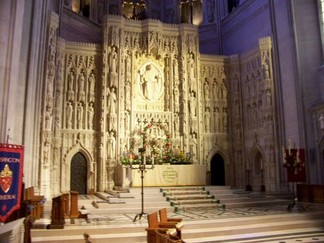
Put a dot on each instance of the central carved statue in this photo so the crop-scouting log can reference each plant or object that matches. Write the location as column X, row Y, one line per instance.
column 150, row 82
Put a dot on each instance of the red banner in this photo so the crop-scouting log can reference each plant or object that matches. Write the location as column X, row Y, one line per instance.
column 11, row 172
column 295, row 164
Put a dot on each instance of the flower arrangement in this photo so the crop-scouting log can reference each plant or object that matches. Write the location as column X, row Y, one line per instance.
column 156, row 140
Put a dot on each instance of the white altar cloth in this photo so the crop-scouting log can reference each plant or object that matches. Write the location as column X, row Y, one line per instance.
column 171, row 175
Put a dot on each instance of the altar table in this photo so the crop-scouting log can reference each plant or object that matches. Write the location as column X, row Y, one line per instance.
column 171, row 175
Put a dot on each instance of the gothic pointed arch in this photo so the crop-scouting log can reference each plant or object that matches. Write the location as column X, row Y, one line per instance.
column 256, row 170
column 84, row 156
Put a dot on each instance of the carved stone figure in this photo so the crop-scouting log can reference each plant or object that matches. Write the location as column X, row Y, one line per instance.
column 69, row 110
column 127, row 96
column 70, row 86
column 80, row 115
column 112, row 98
column 193, row 146
column 224, row 119
column 81, row 87
column 90, row 116
column 91, row 81
column 150, row 82
column 216, row 120
column 111, row 145
column 113, row 67
column 191, row 71
column 192, row 104
column 46, row 153
column 207, row 120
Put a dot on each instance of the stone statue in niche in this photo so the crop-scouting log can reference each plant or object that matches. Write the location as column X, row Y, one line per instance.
column 191, row 70
column 176, row 100
column 214, row 90
column 70, row 86
column 223, row 90
column 81, row 92
column 113, row 67
column 111, row 145
column 90, row 115
column 46, row 153
column 175, row 69
column 192, row 104
column 91, row 81
column 193, row 146
column 216, row 119
column 224, row 119
column 112, row 101
column 112, row 98
column 150, row 82
column 127, row 96
column 80, row 115
column 206, row 91
column 127, row 65
column 69, row 111
column 207, row 120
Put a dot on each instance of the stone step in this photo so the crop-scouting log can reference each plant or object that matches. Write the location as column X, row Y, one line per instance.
column 198, row 206
column 182, row 188
column 196, row 201
column 187, row 192
column 232, row 229
column 190, row 197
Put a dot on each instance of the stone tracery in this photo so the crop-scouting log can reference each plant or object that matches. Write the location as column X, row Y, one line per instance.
column 141, row 76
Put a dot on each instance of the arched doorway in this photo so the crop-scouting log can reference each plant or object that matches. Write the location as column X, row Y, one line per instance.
column 258, row 173
column 79, row 174
column 217, row 170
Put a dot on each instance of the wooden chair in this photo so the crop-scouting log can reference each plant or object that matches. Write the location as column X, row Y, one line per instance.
column 153, row 225
column 175, row 221
column 164, row 216
column 174, row 239
column 37, row 202
column 161, row 236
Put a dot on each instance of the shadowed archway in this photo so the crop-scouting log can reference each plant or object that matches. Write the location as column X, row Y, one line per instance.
column 217, row 169
column 79, row 174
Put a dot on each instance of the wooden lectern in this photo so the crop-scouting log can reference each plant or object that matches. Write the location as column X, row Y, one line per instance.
column 58, row 220
column 66, row 204
column 74, row 213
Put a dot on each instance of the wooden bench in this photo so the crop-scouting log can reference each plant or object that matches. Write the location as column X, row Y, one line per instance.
column 154, row 225
column 165, row 237
column 35, row 201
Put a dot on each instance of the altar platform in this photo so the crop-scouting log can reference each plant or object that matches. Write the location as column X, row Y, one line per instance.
column 171, row 175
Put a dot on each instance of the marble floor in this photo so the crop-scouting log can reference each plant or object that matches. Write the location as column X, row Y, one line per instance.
column 192, row 217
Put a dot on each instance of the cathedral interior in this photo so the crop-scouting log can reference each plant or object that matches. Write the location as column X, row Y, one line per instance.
column 230, row 85
column 104, row 98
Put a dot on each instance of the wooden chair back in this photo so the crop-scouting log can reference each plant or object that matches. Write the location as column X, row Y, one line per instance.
column 163, row 215
column 153, row 220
